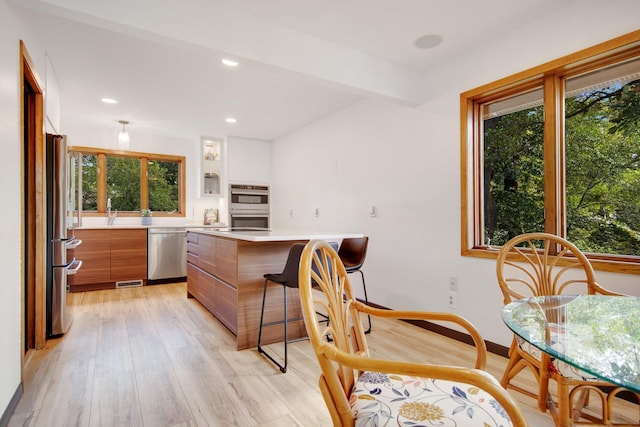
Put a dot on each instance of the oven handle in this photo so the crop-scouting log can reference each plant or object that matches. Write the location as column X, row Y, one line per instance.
column 245, row 210
column 260, row 215
column 251, row 192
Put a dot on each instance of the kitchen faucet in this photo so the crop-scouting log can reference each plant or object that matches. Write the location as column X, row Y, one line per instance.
column 111, row 217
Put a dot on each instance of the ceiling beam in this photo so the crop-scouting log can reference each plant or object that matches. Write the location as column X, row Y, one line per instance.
column 222, row 28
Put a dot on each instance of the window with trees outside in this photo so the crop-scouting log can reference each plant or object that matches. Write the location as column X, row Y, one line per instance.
column 557, row 149
column 133, row 181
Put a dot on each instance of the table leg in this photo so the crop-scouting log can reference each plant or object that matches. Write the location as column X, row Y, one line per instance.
column 564, row 405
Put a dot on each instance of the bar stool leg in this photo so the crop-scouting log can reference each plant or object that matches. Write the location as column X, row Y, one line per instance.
column 366, row 300
column 283, row 368
column 264, row 298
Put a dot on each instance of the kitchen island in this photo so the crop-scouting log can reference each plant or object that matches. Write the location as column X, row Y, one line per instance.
column 225, row 271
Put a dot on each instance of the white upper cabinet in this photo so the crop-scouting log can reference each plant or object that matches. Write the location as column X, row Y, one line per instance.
column 249, row 160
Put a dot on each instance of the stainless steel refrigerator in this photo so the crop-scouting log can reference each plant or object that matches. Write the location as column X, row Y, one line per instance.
column 60, row 238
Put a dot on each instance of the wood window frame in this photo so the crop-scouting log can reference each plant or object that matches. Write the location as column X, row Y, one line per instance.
column 102, row 154
column 550, row 76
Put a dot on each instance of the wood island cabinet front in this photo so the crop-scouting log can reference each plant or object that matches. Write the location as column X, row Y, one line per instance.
column 210, row 262
column 109, row 256
column 226, row 276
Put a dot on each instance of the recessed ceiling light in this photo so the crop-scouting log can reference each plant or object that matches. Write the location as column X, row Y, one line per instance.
column 109, row 101
column 230, row 120
column 428, row 41
column 230, row 62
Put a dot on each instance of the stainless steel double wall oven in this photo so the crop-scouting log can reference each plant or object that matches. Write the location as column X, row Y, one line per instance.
column 248, row 206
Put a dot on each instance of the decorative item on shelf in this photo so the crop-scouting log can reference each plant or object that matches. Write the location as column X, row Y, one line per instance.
column 210, row 216
column 146, row 216
column 211, row 151
column 123, row 136
column 211, row 183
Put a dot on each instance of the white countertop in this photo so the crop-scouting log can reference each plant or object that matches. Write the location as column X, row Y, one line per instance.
column 276, row 235
column 152, row 226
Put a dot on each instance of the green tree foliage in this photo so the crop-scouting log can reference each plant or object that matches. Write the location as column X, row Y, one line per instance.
column 163, row 186
column 602, row 144
column 123, row 183
column 513, row 175
column 89, row 182
column 602, row 175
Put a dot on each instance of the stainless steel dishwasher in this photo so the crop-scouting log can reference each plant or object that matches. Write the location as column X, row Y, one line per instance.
column 167, row 253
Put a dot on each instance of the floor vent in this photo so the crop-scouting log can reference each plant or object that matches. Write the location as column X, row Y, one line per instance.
column 129, row 284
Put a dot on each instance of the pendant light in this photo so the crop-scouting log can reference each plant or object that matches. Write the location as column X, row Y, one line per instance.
column 123, row 136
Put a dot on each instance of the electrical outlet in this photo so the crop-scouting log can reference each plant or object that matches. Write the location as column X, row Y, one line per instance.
column 452, row 299
column 453, row 283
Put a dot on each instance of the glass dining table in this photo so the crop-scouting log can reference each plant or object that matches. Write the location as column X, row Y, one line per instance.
column 595, row 333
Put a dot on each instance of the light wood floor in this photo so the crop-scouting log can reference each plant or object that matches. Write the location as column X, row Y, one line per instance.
column 149, row 356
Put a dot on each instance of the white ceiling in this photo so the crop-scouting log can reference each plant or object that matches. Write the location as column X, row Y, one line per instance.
column 300, row 60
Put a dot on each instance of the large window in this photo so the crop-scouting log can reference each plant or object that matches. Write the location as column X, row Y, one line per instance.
column 602, row 145
column 513, row 152
column 556, row 149
column 133, row 181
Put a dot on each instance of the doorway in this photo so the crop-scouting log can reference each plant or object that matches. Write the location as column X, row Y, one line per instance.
column 33, row 220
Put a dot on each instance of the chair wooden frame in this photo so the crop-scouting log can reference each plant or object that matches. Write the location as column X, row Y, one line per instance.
column 345, row 356
column 541, row 264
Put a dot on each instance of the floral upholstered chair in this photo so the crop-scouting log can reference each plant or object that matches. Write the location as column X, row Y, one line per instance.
column 364, row 391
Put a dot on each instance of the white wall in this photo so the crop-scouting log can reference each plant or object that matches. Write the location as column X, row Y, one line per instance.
column 11, row 31
column 406, row 162
column 104, row 136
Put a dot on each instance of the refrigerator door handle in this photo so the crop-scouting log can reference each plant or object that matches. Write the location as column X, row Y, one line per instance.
column 74, row 266
column 72, row 244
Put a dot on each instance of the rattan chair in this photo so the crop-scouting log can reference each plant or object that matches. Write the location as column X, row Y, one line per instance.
column 370, row 391
column 541, row 264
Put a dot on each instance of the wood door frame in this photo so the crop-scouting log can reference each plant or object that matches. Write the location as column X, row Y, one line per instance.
column 35, row 140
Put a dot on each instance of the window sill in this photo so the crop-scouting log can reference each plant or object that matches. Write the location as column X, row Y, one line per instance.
column 608, row 265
